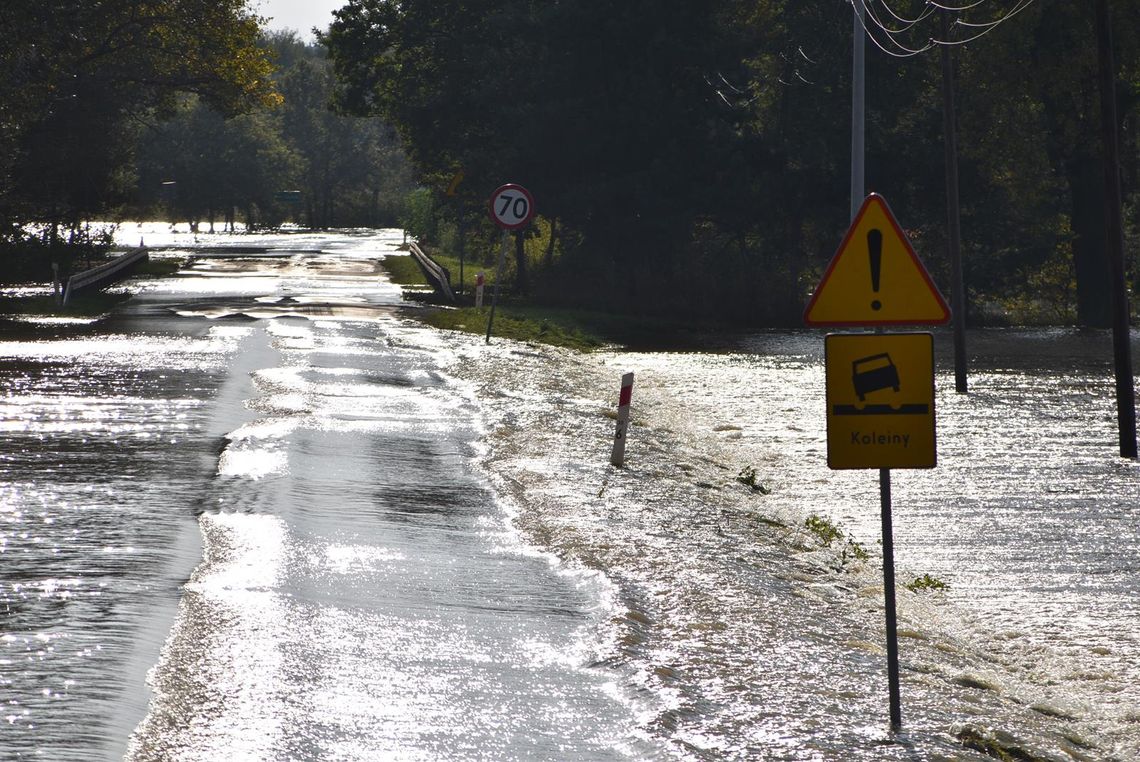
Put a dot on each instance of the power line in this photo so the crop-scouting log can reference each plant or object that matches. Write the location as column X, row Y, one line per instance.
column 910, row 23
column 955, row 9
column 870, row 14
column 926, row 12
column 904, row 41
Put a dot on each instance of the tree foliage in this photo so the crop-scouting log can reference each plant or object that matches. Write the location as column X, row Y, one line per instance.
column 81, row 76
column 603, row 111
column 695, row 154
column 294, row 161
column 687, row 156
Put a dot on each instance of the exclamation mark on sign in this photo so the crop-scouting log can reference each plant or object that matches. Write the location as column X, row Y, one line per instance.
column 875, row 253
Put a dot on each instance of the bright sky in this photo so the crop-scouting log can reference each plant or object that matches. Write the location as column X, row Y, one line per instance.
column 299, row 15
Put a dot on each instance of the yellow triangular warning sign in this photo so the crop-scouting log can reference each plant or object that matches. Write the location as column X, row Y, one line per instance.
column 876, row 278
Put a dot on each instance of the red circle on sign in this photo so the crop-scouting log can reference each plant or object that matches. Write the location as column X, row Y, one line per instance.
column 511, row 206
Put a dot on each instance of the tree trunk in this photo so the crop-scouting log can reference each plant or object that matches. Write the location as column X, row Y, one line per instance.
column 522, row 283
column 548, row 257
column 1094, row 298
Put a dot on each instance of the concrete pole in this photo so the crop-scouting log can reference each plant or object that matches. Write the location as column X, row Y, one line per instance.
column 953, row 214
column 858, row 112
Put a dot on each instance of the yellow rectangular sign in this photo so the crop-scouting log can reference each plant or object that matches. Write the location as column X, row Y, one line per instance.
column 880, row 400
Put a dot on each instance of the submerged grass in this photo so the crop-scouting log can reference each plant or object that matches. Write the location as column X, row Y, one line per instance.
column 519, row 323
column 926, row 583
column 156, row 267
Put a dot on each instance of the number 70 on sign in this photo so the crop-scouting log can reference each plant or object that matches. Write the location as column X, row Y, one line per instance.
column 511, row 206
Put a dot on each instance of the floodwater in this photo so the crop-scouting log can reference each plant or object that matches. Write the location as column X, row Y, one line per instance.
column 260, row 514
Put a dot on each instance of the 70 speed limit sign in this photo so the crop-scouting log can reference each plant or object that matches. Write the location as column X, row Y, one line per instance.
column 512, row 206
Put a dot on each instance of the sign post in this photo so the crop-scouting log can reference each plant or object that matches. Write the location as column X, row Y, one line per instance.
column 511, row 208
column 498, row 280
column 879, row 386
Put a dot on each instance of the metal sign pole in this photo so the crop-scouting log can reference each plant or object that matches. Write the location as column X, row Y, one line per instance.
column 462, row 238
column 498, row 280
column 898, row 369
column 889, row 599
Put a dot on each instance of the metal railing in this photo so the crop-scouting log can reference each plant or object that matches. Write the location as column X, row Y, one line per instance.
column 103, row 274
column 437, row 275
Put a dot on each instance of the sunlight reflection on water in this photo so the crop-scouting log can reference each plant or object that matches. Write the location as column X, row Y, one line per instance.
column 403, row 617
column 360, row 587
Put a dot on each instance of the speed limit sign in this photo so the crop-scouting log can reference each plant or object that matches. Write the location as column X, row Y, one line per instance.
column 512, row 206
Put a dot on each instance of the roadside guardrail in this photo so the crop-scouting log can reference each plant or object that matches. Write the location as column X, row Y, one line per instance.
column 103, row 274
column 437, row 275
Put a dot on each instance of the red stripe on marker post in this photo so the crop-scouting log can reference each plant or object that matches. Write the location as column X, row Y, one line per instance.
column 626, row 391
column 617, row 458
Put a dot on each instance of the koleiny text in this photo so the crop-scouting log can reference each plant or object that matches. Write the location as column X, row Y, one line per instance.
column 879, row 438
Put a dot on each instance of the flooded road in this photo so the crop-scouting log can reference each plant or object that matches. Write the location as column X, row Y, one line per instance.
column 242, row 521
column 260, row 514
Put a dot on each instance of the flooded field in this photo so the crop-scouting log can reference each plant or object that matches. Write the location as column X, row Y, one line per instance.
column 769, row 642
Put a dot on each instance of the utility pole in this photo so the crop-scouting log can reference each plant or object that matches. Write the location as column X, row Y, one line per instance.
column 858, row 111
column 1114, row 227
column 953, row 213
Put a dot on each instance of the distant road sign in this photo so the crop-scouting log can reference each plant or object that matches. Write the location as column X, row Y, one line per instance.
column 880, row 400
column 512, row 206
column 453, row 186
column 292, row 197
column 876, row 278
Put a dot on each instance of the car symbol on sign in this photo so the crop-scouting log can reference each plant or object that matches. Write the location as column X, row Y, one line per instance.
column 872, row 373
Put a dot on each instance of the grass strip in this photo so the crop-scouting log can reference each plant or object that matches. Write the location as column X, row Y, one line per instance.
column 576, row 329
column 518, row 323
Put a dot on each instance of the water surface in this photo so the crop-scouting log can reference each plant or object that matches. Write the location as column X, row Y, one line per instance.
column 259, row 513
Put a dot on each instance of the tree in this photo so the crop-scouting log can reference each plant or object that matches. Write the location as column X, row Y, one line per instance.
column 697, row 153
column 81, row 76
column 603, row 111
column 349, row 165
column 346, row 170
column 329, row 145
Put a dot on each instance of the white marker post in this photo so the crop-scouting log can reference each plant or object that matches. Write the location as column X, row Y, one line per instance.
column 480, row 279
column 617, row 458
